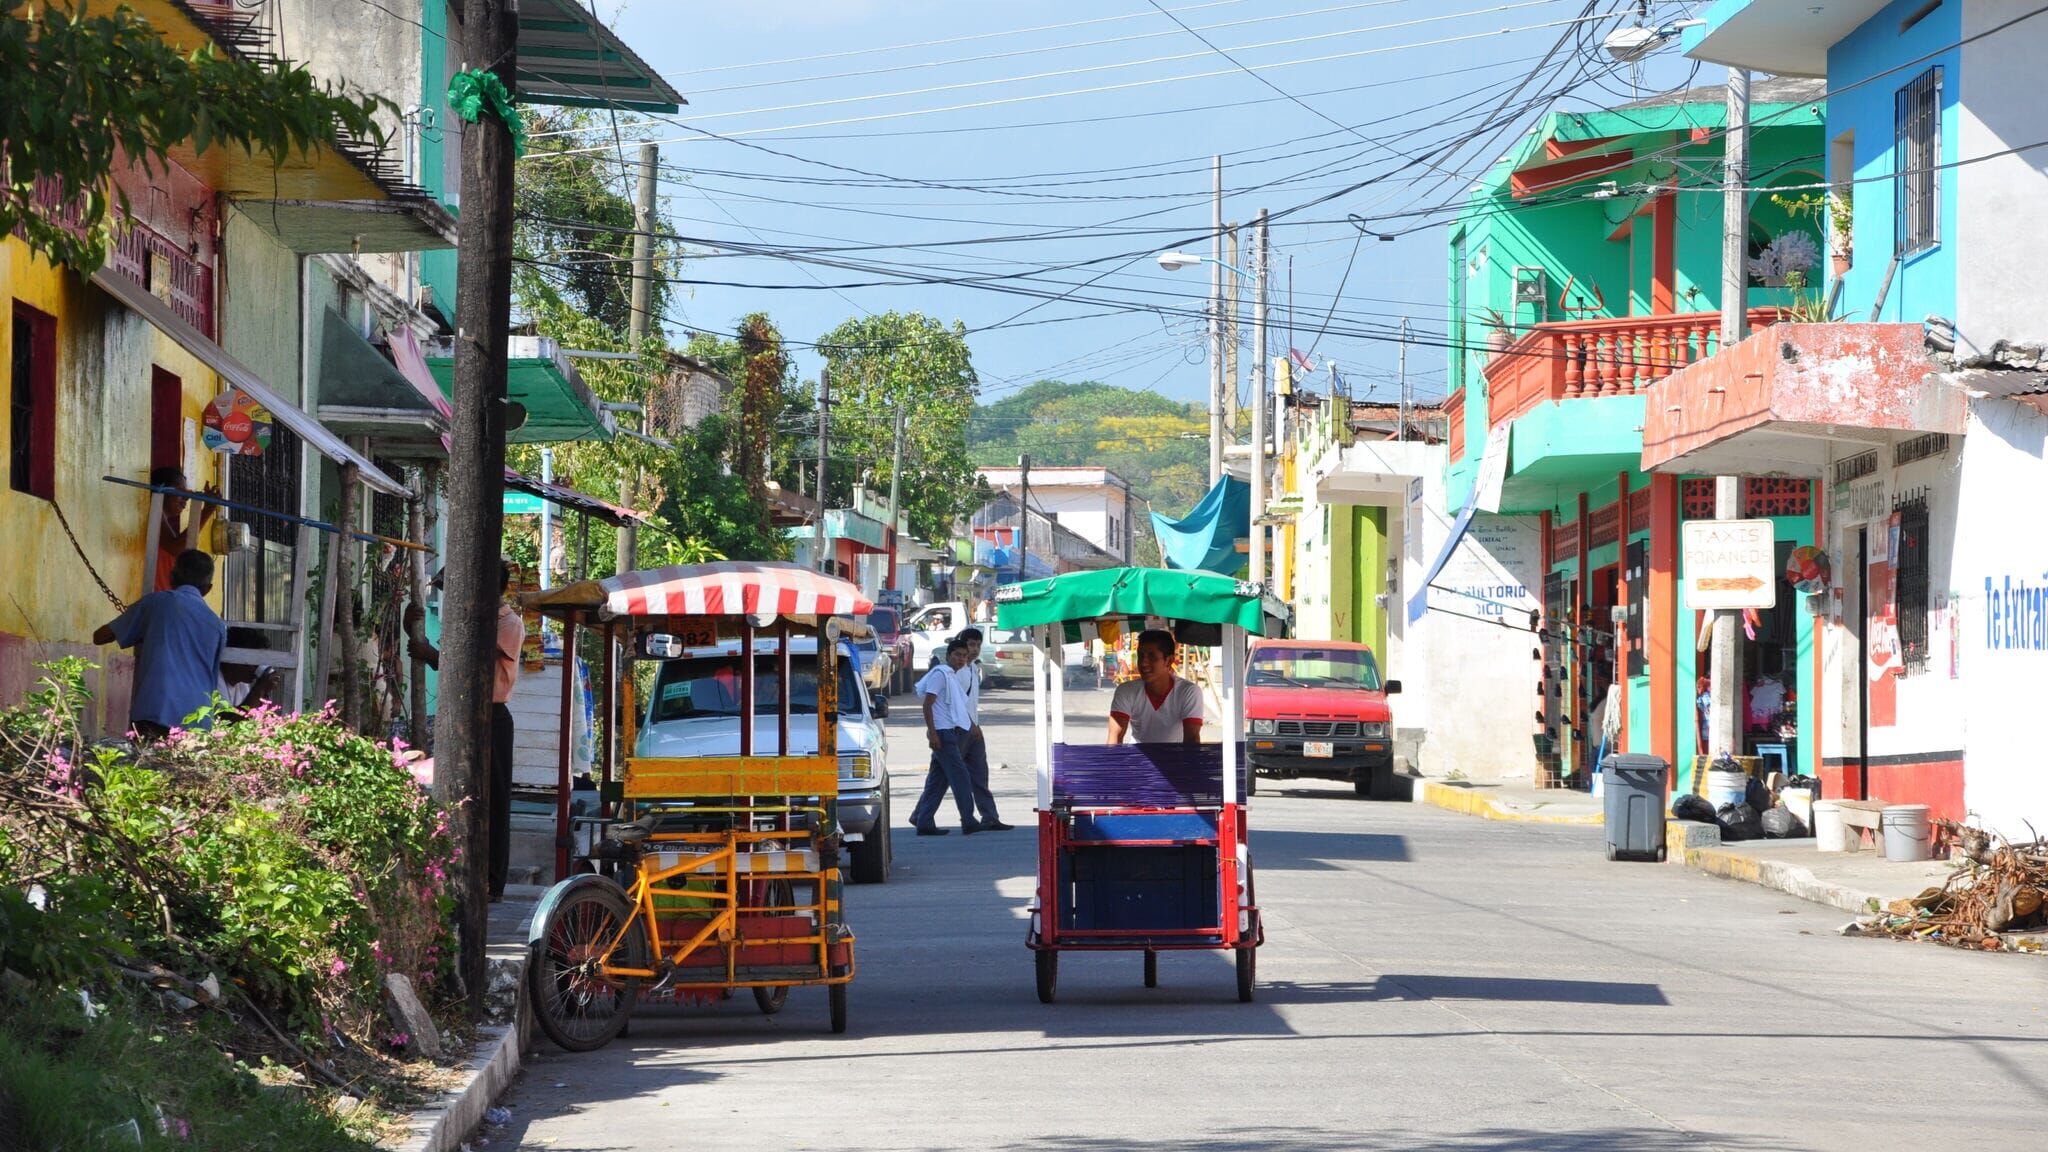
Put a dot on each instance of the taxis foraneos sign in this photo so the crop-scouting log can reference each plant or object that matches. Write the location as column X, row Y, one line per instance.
column 236, row 425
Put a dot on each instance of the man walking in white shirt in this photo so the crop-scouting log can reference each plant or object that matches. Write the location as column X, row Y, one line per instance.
column 976, row 751
column 946, row 725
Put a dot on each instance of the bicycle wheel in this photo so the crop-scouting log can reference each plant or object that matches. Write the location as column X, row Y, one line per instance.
column 576, row 1004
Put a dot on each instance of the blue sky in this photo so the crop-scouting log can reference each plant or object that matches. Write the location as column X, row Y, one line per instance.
column 979, row 122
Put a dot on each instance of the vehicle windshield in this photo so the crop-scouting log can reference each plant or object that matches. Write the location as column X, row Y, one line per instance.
column 1009, row 636
column 1315, row 668
column 696, row 687
column 885, row 621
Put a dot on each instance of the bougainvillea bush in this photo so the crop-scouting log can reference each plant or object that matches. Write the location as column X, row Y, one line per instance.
column 279, row 852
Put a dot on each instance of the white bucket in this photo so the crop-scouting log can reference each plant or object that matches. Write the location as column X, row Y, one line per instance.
column 1908, row 832
column 1726, row 786
column 1799, row 802
column 1829, row 833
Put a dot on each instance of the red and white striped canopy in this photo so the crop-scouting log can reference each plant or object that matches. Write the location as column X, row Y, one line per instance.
column 731, row 588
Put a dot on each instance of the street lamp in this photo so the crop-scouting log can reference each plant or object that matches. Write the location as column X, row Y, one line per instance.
column 1174, row 261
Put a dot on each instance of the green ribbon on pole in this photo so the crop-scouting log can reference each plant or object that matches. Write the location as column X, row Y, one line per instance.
column 472, row 91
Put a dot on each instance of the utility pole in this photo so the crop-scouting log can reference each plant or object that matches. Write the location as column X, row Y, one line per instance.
column 1259, row 276
column 895, row 493
column 1724, row 672
column 628, row 557
column 824, row 409
column 476, row 479
column 1216, row 325
column 1230, row 292
column 1403, row 435
column 1023, row 515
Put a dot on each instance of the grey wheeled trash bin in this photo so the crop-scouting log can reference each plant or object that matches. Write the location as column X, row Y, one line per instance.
column 1635, row 806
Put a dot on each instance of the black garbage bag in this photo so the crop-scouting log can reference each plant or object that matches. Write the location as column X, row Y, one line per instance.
column 1756, row 795
column 1780, row 824
column 1691, row 807
column 1739, row 822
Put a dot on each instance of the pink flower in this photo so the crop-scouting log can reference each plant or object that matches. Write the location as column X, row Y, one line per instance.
column 337, row 968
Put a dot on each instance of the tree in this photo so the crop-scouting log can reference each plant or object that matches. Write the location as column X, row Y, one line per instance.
column 80, row 93
column 912, row 363
column 1160, row 446
column 765, row 374
column 575, row 219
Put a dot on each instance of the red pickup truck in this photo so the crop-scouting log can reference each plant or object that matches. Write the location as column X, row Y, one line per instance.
column 1319, row 708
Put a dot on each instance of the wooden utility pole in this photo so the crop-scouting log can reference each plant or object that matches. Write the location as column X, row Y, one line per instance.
column 824, row 412
column 895, row 495
column 476, row 477
column 344, row 577
column 628, row 553
column 1023, row 516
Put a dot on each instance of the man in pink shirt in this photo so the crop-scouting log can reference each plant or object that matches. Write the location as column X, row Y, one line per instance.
column 504, row 677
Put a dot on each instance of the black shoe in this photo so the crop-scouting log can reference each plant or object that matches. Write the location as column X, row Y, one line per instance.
column 993, row 826
column 932, row 831
column 971, row 829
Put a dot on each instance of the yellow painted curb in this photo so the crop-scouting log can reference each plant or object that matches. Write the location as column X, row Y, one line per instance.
column 1472, row 802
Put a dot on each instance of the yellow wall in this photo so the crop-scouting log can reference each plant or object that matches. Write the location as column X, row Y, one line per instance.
column 104, row 358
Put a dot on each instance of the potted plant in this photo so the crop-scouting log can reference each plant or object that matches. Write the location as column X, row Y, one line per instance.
column 1499, row 333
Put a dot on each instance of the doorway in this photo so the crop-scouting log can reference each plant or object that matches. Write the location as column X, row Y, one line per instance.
column 166, row 420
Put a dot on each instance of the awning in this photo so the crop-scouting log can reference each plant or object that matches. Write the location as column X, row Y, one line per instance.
column 363, row 394
column 405, row 223
column 566, row 56
column 559, row 405
column 727, row 588
column 316, row 435
column 846, row 524
column 1493, row 468
column 569, row 498
column 1201, row 597
column 1206, row 538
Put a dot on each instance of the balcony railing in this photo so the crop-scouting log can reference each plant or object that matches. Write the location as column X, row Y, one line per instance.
column 1583, row 358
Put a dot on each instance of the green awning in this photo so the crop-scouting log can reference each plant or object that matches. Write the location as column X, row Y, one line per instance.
column 559, row 406
column 567, row 56
column 1200, row 597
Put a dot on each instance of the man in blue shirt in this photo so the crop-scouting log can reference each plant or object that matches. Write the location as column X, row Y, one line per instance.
column 179, row 643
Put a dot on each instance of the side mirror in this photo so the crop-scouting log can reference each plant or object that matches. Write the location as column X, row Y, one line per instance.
column 880, row 705
column 1393, row 688
column 660, row 646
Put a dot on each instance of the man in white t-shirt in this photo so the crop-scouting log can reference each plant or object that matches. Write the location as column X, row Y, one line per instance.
column 976, row 750
column 1158, row 707
column 946, row 724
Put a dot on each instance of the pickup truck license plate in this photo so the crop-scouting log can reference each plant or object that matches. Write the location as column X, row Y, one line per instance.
column 1322, row 749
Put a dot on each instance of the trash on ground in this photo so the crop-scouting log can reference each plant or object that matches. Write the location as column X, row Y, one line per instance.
column 1998, row 888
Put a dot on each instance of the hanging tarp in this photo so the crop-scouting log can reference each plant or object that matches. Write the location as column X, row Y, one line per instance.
column 1206, row 538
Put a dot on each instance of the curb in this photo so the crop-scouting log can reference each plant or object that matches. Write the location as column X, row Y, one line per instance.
column 1790, row 879
column 1471, row 802
column 443, row 1125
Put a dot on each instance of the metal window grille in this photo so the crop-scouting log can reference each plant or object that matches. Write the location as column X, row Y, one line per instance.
column 1911, row 580
column 259, row 582
column 1916, row 155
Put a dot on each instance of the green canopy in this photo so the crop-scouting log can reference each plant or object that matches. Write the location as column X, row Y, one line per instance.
column 1200, row 597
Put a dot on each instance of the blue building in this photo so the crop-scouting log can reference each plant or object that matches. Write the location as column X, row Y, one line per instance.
column 1911, row 392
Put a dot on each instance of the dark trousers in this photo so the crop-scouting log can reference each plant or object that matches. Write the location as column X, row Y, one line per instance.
column 948, row 770
column 501, row 797
column 976, row 755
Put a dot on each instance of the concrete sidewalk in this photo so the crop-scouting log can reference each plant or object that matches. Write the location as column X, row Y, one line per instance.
column 501, row 1042
column 1856, row 882
column 1511, row 800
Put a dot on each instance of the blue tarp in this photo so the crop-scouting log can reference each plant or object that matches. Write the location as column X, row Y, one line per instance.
column 1206, row 538
column 1003, row 558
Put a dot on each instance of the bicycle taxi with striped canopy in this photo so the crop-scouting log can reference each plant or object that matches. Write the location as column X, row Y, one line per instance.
column 702, row 874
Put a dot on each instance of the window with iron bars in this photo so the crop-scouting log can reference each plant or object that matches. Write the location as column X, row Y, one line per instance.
column 1916, row 157
column 1911, row 578
column 259, row 581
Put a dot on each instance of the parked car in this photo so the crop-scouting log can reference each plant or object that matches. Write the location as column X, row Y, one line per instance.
column 694, row 711
column 887, row 621
column 877, row 662
column 1006, row 660
column 1319, row 708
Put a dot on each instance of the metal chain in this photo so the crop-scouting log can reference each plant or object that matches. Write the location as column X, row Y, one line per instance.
column 116, row 600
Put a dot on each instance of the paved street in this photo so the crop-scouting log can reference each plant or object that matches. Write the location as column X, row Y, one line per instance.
column 1430, row 981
